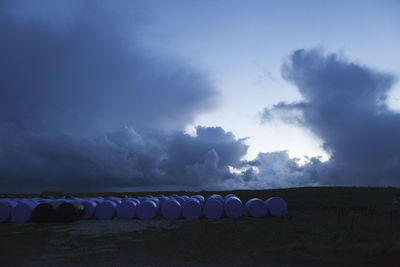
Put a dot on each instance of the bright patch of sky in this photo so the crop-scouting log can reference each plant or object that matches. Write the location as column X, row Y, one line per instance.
column 242, row 45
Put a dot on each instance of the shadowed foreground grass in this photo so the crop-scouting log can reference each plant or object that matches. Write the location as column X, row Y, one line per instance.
column 327, row 226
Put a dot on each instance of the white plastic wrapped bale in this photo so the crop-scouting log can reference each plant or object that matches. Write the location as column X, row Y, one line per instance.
column 217, row 197
column 228, row 196
column 213, row 208
column 191, row 209
column 39, row 200
column 180, row 199
column 276, row 206
column 158, row 203
column 171, row 209
column 156, row 200
column 256, row 207
column 142, row 199
column 98, row 201
column 147, row 210
column 126, row 209
column 105, row 210
column 199, row 198
column 5, row 209
column 22, row 212
column 89, row 206
column 137, row 202
column 162, row 200
column 233, row 207
column 116, row 200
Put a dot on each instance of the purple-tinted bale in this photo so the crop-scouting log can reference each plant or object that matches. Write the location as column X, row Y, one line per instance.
column 105, row 210
column 199, row 198
column 114, row 199
column 89, row 207
column 98, row 201
column 213, row 208
column 181, row 200
column 218, row 197
column 191, row 209
column 156, row 200
column 126, row 209
column 233, row 207
column 137, row 201
column 276, row 206
column 158, row 203
column 162, row 200
column 256, row 208
column 5, row 209
column 142, row 199
column 171, row 209
column 22, row 212
column 228, row 196
column 147, row 210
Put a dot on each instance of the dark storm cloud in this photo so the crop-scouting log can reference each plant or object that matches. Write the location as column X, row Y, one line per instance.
column 276, row 169
column 205, row 156
column 122, row 159
column 87, row 72
column 75, row 72
column 344, row 104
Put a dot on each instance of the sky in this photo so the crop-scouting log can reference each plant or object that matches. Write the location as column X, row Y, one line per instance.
column 244, row 46
column 153, row 95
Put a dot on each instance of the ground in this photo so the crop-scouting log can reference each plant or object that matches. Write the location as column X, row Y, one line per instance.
column 325, row 226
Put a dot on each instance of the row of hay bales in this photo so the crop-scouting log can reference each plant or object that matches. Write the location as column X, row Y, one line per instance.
column 144, row 208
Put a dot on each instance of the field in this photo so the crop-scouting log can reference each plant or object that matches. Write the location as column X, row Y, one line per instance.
column 324, row 226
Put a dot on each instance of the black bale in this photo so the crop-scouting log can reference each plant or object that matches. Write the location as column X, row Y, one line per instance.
column 45, row 212
column 68, row 212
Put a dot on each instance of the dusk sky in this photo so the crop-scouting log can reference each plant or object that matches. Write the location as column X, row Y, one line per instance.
column 154, row 95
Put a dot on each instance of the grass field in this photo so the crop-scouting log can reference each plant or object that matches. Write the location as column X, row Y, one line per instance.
column 324, row 226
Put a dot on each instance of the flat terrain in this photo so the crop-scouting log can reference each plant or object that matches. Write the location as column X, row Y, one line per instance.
column 328, row 226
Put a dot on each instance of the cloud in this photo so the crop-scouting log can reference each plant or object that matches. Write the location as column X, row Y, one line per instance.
column 85, row 106
column 85, row 71
column 205, row 157
column 344, row 103
column 120, row 160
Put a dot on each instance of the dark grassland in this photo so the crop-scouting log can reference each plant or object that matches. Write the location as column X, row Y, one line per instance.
column 324, row 226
